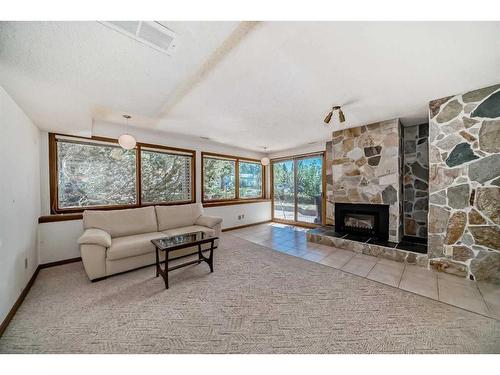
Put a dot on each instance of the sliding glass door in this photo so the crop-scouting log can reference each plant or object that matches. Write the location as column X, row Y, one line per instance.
column 298, row 189
column 309, row 189
column 284, row 190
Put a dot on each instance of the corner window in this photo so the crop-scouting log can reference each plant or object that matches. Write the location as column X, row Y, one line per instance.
column 218, row 179
column 250, row 179
column 227, row 178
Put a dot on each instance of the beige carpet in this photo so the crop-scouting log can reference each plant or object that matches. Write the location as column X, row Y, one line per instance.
column 256, row 301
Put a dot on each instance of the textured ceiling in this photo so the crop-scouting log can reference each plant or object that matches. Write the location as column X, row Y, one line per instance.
column 244, row 84
column 63, row 74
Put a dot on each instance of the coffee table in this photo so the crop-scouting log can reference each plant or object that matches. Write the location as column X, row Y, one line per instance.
column 183, row 241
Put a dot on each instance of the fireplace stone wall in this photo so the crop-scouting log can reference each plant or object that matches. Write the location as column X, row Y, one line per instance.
column 415, row 179
column 364, row 166
column 464, row 211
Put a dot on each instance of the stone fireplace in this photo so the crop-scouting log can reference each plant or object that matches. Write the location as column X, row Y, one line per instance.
column 457, row 183
column 364, row 166
column 364, row 191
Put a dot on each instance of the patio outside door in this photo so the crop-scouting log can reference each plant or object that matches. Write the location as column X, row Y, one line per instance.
column 298, row 189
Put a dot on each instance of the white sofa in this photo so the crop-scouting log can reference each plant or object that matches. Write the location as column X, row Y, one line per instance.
column 115, row 241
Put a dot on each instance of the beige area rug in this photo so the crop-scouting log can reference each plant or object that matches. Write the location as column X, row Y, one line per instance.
column 256, row 301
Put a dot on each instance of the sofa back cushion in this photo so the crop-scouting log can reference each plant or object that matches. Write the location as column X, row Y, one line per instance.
column 119, row 223
column 177, row 216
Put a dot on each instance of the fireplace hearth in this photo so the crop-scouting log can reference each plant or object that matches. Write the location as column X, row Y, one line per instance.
column 371, row 220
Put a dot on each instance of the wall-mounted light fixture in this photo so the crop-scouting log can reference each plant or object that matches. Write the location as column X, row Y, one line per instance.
column 329, row 115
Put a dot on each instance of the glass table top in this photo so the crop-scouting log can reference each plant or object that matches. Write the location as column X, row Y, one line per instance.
column 182, row 239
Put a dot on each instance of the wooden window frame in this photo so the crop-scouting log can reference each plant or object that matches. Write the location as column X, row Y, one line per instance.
column 293, row 158
column 53, row 175
column 173, row 151
column 237, row 198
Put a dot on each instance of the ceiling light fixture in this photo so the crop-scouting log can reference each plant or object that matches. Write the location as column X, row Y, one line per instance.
column 265, row 160
column 329, row 115
column 127, row 141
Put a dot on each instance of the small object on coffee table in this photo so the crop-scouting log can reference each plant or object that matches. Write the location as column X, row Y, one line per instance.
column 183, row 241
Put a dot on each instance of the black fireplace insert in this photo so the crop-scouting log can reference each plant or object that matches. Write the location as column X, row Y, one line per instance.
column 363, row 219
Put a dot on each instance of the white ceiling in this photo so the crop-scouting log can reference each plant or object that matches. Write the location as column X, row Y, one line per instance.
column 244, row 84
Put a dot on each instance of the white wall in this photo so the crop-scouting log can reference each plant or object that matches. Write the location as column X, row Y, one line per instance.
column 19, row 200
column 306, row 149
column 253, row 213
column 57, row 240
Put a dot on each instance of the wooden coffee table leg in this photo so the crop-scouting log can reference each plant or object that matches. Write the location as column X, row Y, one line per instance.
column 165, row 277
column 157, row 262
column 211, row 256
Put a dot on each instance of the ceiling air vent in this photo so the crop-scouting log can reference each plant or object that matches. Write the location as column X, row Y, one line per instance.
column 150, row 33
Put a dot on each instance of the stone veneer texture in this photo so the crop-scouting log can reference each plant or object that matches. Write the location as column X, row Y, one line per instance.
column 415, row 179
column 363, row 166
column 464, row 211
column 375, row 250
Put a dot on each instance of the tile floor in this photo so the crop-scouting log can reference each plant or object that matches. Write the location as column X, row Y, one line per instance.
column 479, row 297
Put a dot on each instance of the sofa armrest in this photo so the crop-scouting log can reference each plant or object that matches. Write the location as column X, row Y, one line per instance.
column 94, row 236
column 208, row 221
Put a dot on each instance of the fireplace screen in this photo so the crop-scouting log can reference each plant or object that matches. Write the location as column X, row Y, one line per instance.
column 359, row 221
column 363, row 219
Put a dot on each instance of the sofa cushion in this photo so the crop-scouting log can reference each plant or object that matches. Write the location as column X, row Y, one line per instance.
column 129, row 246
column 177, row 216
column 189, row 229
column 119, row 223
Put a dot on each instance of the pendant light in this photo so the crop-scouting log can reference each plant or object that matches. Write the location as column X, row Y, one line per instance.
column 127, row 141
column 265, row 160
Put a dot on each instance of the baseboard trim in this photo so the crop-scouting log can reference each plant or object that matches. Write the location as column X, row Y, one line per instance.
column 60, row 262
column 245, row 226
column 18, row 302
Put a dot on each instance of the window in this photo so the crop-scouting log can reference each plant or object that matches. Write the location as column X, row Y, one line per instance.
column 94, row 175
column 250, row 179
column 166, row 177
column 218, row 179
column 227, row 178
column 97, row 173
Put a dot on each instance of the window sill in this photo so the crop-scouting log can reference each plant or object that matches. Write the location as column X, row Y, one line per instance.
column 233, row 202
column 59, row 217
column 78, row 216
